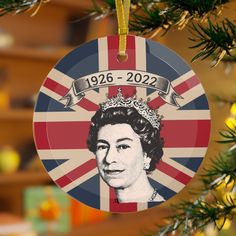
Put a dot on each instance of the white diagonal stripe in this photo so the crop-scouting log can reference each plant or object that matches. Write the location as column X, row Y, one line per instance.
column 183, row 78
column 60, row 78
column 80, row 180
column 67, row 81
column 188, row 96
column 166, row 180
column 58, row 97
column 178, row 166
column 67, row 167
column 175, row 82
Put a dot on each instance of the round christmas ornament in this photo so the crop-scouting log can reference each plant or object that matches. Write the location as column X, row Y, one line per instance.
column 121, row 136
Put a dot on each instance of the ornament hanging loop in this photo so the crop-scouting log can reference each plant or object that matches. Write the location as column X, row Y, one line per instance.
column 122, row 9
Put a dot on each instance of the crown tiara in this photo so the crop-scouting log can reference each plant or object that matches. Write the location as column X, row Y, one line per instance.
column 132, row 102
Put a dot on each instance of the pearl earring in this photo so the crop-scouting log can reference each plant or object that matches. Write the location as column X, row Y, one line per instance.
column 147, row 160
column 146, row 166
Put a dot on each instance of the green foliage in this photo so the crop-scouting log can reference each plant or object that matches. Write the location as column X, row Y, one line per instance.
column 229, row 136
column 221, row 167
column 151, row 16
column 217, row 40
column 213, row 40
column 149, row 21
column 190, row 216
column 194, row 7
column 17, row 6
column 111, row 3
column 195, row 216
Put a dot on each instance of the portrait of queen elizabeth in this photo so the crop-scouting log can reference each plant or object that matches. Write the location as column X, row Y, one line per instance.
column 125, row 137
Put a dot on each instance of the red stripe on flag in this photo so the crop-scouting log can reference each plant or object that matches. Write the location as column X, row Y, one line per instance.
column 76, row 173
column 186, row 133
column 113, row 49
column 173, row 172
column 180, row 89
column 40, row 135
column 55, row 87
column 156, row 103
column 61, row 135
column 73, row 135
column 187, row 84
column 127, row 91
column 62, row 91
column 115, row 206
column 88, row 105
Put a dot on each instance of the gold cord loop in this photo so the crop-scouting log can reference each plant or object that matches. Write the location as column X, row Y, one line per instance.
column 122, row 9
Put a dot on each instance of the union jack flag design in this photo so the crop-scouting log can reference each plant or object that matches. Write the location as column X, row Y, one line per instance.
column 61, row 132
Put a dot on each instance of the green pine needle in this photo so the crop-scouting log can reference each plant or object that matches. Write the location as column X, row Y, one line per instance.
column 17, row 6
column 150, row 20
column 214, row 40
column 197, row 8
column 223, row 166
column 229, row 135
column 190, row 216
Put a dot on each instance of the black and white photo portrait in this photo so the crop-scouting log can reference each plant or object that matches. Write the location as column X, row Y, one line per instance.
column 125, row 138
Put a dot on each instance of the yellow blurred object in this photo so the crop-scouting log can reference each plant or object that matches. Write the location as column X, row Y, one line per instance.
column 6, row 39
column 229, row 198
column 223, row 187
column 199, row 233
column 233, row 110
column 227, row 224
column 231, row 122
column 223, row 224
column 9, row 160
column 4, row 100
column 49, row 210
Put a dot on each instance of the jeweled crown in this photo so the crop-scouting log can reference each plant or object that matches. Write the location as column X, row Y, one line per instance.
column 132, row 102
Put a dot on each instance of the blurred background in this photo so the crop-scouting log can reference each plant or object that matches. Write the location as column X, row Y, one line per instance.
column 29, row 48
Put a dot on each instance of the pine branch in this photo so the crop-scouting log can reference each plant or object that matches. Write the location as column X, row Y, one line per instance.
column 150, row 17
column 151, row 20
column 223, row 168
column 19, row 6
column 195, row 215
column 231, row 58
column 217, row 40
column 209, row 208
column 197, row 9
column 229, row 136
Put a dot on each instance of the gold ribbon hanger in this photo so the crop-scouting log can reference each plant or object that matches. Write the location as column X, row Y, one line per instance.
column 122, row 10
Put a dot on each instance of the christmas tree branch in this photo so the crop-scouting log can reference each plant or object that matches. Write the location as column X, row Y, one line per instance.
column 19, row 6
column 150, row 17
column 229, row 136
column 217, row 201
column 217, row 40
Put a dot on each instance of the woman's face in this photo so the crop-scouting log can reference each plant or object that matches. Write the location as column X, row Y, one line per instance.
column 119, row 155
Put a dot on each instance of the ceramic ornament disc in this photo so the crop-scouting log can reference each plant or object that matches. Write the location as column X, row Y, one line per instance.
column 107, row 178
